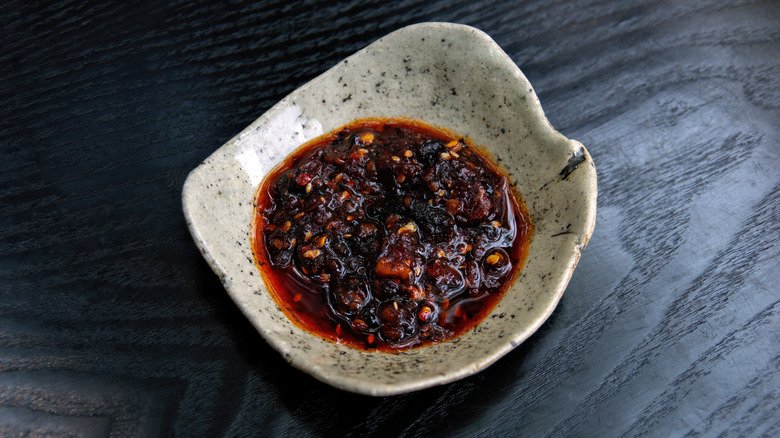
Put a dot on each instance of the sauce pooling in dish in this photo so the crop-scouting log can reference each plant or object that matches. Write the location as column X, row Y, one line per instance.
column 388, row 234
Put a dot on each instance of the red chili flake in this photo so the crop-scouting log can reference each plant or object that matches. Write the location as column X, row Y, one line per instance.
column 303, row 179
column 425, row 313
column 458, row 312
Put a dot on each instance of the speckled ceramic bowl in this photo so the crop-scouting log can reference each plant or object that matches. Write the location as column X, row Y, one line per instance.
column 448, row 75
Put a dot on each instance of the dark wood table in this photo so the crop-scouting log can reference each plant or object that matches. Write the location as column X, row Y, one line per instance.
column 112, row 324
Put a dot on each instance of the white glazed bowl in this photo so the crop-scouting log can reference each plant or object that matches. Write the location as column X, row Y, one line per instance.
column 448, row 75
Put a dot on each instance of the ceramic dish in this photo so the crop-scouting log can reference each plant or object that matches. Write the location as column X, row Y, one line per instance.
column 448, row 75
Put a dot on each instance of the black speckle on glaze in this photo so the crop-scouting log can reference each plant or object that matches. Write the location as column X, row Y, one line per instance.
column 576, row 159
column 564, row 232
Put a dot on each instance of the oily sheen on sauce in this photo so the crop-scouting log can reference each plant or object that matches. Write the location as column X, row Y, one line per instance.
column 388, row 234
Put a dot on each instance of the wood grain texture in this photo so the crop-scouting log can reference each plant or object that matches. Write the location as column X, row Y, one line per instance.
column 111, row 324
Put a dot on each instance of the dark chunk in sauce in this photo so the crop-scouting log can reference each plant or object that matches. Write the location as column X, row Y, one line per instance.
column 388, row 235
